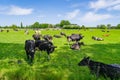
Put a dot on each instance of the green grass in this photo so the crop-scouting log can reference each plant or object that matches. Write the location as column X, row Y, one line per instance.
column 63, row 63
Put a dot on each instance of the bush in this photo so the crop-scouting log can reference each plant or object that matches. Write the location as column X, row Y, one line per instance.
column 71, row 27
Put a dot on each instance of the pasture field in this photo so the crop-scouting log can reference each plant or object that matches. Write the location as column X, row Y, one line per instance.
column 63, row 64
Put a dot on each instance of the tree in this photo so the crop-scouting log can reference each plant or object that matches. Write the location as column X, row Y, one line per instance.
column 14, row 27
column 108, row 26
column 118, row 26
column 36, row 25
column 45, row 25
column 50, row 26
column 64, row 22
column 21, row 25
column 82, row 27
column 102, row 26
column 57, row 25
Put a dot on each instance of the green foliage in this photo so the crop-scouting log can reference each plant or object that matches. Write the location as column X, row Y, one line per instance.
column 36, row 25
column 64, row 22
column 21, row 25
column 14, row 27
column 108, row 26
column 102, row 26
column 45, row 25
column 50, row 26
column 71, row 27
column 118, row 26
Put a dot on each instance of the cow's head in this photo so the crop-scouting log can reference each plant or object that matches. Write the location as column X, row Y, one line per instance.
column 36, row 36
column 69, row 38
column 84, row 61
column 52, row 48
column 32, row 48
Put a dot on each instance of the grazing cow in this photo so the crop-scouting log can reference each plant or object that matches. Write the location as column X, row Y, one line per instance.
column 76, row 46
column 97, row 38
column 30, row 49
column 1, row 30
column 45, row 46
column 47, row 38
column 75, row 37
column 101, row 69
column 7, row 30
column 36, row 36
column 62, row 33
column 103, row 30
column 57, row 36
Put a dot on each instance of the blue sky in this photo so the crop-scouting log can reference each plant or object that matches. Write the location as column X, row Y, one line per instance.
column 81, row 12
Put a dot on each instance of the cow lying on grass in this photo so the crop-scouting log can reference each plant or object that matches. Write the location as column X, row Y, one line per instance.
column 74, row 37
column 102, row 69
column 97, row 38
column 57, row 36
column 76, row 46
column 48, row 38
column 44, row 45
column 30, row 49
column 63, row 34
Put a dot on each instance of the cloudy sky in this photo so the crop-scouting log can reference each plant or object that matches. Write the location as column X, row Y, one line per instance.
column 82, row 12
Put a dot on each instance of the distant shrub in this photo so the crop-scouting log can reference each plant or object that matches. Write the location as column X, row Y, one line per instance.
column 71, row 27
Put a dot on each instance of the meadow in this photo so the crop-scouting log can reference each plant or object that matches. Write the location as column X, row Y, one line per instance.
column 63, row 64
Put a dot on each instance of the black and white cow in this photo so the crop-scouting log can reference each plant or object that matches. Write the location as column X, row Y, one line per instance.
column 30, row 49
column 63, row 34
column 48, row 38
column 97, row 38
column 75, row 37
column 102, row 69
column 76, row 46
column 36, row 36
column 44, row 45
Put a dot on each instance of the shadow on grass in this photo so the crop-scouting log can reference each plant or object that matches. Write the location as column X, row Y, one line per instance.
column 13, row 52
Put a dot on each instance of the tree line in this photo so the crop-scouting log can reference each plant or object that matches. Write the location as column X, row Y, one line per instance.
column 65, row 24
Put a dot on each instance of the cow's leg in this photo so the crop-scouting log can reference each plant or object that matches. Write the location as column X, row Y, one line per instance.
column 97, row 73
column 32, row 57
column 27, row 53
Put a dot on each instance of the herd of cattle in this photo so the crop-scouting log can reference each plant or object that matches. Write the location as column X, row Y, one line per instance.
column 99, row 69
column 45, row 43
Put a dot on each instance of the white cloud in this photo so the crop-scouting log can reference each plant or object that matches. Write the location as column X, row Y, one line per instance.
column 117, row 7
column 41, row 16
column 73, row 14
column 15, row 10
column 104, row 4
column 93, row 17
column 59, row 15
